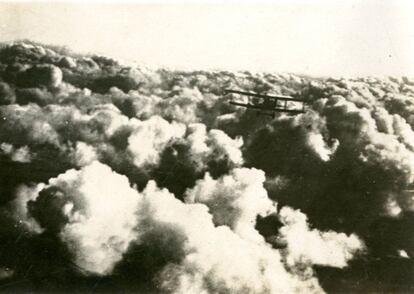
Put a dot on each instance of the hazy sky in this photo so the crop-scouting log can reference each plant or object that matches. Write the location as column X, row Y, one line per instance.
column 322, row 38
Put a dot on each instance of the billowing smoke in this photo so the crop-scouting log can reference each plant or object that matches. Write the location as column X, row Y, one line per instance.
column 126, row 179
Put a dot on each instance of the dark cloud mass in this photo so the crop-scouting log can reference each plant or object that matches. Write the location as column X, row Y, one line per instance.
column 116, row 178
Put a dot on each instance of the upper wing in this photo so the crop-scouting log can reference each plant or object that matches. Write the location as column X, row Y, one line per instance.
column 278, row 97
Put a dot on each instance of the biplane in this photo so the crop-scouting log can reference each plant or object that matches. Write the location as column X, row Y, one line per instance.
column 267, row 104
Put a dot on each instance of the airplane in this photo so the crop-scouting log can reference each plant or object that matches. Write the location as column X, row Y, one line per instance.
column 268, row 104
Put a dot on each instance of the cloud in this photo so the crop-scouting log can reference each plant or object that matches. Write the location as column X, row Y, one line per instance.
column 305, row 245
column 7, row 95
column 21, row 154
column 151, row 181
column 26, row 124
column 234, row 200
column 149, row 139
column 93, row 211
column 84, row 154
column 99, row 217
column 214, row 145
column 208, row 250
column 40, row 75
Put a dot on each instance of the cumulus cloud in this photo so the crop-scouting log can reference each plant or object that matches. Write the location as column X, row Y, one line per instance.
column 93, row 211
column 213, row 145
column 150, row 138
column 19, row 207
column 85, row 154
column 235, row 200
column 315, row 135
column 305, row 245
column 208, row 250
column 96, row 213
column 21, row 154
column 7, row 95
column 150, row 180
column 40, row 75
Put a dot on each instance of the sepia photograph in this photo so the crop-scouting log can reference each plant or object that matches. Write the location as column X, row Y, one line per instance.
column 207, row 147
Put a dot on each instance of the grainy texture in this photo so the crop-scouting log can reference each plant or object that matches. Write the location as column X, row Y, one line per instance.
column 119, row 178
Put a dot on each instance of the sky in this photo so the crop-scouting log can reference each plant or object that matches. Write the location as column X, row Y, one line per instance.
column 351, row 38
column 120, row 180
